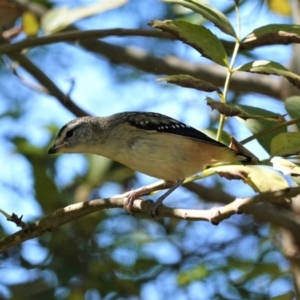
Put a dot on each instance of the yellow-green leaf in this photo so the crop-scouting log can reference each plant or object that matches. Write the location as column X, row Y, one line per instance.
column 292, row 105
column 286, row 144
column 285, row 166
column 282, row 7
column 31, row 25
column 260, row 179
column 196, row 273
column 257, row 125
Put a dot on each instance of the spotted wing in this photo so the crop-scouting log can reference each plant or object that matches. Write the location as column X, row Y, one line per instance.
column 164, row 124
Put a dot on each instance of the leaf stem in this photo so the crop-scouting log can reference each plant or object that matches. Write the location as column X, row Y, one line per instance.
column 229, row 75
column 270, row 129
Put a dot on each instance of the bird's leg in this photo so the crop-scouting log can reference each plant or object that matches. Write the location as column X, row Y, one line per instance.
column 136, row 194
column 164, row 196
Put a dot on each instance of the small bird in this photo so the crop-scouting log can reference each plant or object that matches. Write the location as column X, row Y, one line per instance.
column 150, row 143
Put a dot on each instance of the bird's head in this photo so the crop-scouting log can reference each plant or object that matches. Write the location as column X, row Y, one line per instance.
column 77, row 136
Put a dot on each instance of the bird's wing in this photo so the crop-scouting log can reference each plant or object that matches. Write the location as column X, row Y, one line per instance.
column 164, row 124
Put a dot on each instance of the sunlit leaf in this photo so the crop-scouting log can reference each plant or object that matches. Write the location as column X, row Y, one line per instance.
column 31, row 25
column 282, row 7
column 57, row 19
column 256, row 125
column 209, row 13
column 260, row 179
column 285, row 166
column 292, row 105
column 270, row 68
column 273, row 34
column 197, row 273
column 286, row 144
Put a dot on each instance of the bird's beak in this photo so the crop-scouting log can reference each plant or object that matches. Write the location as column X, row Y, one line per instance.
column 54, row 149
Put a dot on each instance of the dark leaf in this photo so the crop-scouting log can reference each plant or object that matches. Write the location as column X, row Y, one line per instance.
column 198, row 37
column 191, row 82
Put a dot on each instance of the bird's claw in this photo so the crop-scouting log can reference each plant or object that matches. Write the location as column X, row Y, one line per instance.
column 155, row 207
column 128, row 205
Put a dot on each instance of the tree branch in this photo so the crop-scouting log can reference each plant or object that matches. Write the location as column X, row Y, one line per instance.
column 264, row 212
column 44, row 80
column 170, row 65
column 142, row 60
column 76, row 35
column 78, row 210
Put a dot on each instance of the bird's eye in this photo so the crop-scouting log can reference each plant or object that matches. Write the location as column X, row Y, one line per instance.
column 69, row 133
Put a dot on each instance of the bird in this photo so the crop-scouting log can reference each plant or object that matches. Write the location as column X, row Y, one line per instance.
column 147, row 142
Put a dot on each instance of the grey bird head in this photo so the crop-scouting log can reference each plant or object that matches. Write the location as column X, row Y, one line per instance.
column 78, row 136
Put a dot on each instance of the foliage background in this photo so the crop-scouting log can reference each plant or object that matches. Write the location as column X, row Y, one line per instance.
column 110, row 254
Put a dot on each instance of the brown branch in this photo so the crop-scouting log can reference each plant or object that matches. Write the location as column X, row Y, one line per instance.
column 76, row 35
column 78, row 210
column 140, row 59
column 45, row 81
column 264, row 212
column 170, row 65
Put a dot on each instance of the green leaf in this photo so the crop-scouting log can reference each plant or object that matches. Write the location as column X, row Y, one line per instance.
column 30, row 24
column 270, row 68
column 260, row 179
column 231, row 111
column 292, row 105
column 286, row 167
column 286, row 144
column 286, row 296
column 198, row 37
column 261, row 269
column 255, row 125
column 46, row 191
column 282, row 7
column 190, row 82
column 209, row 13
column 59, row 18
column 273, row 34
column 212, row 132
column 197, row 273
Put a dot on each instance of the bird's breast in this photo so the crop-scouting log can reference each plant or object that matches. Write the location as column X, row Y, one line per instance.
column 169, row 157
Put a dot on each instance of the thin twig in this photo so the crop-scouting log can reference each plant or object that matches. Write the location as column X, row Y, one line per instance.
column 45, row 81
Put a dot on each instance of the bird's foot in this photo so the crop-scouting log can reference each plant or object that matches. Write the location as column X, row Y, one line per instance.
column 155, row 207
column 128, row 205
